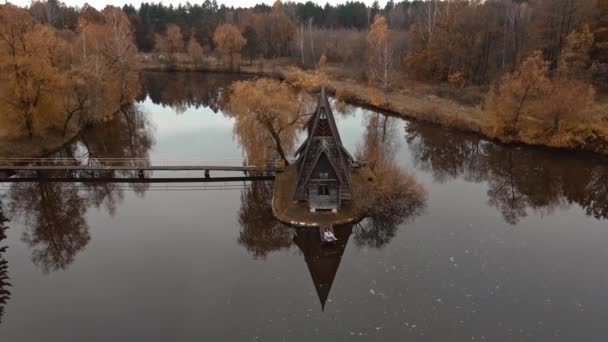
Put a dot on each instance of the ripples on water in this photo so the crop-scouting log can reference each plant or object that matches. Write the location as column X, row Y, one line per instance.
column 510, row 245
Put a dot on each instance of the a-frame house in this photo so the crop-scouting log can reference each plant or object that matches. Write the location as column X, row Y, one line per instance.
column 324, row 165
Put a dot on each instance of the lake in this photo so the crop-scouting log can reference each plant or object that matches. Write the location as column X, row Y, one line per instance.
column 511, row 244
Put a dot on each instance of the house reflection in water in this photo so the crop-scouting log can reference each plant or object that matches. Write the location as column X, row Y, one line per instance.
column 322, row 260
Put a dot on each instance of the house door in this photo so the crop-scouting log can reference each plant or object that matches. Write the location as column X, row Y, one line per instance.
column 323, row 196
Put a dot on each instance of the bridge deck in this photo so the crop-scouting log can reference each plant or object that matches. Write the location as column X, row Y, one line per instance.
column 138, row 167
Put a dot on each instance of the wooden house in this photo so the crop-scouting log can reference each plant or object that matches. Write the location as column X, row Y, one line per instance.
column 323, row 164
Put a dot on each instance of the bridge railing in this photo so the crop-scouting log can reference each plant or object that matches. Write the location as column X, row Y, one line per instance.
column 137, row 162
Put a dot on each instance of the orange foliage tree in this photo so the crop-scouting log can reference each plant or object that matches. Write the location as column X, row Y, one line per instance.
column 49, row 77
column 380, row 53
column 195, row 51
column 229, row 41
column 267, row 118
column 519, row 93
column 171, row 42
column 530, row 105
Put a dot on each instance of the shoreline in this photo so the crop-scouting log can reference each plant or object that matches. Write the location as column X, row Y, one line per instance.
column 410, row 105
column 403, row 103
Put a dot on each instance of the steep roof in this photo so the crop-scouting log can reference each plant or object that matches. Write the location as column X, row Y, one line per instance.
column 314, row 121
column 323, row 138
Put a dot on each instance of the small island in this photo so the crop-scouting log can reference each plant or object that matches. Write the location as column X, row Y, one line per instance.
column 319, row 189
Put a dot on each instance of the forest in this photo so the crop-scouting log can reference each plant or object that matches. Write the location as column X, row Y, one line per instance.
column 535, row 71
column 62, row 80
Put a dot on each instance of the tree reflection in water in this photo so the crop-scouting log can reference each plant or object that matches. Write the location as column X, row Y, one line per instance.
column 394, row 197
column 128, row 137
column 260, row 232
column 519, row 179
column 53, row 212
column 181, row 90
column 54, row 216
column 4, row 280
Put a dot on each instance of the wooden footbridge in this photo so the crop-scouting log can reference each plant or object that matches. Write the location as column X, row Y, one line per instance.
column 13, row 166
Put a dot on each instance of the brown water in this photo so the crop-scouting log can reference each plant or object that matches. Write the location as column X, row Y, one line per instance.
column 511, row 245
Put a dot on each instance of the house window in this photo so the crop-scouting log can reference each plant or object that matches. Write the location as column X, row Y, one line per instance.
column 323, row 190
column 323, row 175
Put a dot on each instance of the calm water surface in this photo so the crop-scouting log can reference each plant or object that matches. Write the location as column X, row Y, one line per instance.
column 511, row 246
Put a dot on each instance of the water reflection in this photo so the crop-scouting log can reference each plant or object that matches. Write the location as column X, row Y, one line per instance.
column 260, row 232
column 55, row 225
column 519, row 179
column 322, row 260
column 395, row 197
column 128, row 138
column 54, row 213
column 182, row 90
column 380, row 139
column 4, row 280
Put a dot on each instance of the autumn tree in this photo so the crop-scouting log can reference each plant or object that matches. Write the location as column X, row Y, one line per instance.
column 121, row 53
column 530, row 105
column 274, row 31
column 599, row 51
column 519, row 93
column 267, row 118
column 58, row 79
column 195, row 51
column 380, row 54
column 29, row 63
column 281, row 29
column 171, row 42
column 553, row 21
column 229, row 41
column 575, row 61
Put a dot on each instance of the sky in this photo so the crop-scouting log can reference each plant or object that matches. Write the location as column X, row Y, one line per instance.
column 100, row 4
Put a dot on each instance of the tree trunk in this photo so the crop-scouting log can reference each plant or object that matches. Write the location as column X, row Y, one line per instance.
column 277, row 142
column 29, row 125
column 312, row 43
column 302, row 42
column 518, row 110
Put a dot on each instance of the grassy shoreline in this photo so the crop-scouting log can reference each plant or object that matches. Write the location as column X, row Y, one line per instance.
column 414, row 101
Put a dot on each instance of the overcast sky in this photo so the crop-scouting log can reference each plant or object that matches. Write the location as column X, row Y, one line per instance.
column 100, row 4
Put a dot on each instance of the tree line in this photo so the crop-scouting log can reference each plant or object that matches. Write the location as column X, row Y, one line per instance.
column 458, row 41
column 498, row 43
column 64, row 78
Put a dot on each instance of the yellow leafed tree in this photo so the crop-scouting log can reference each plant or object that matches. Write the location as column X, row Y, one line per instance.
column 171, row 42
column 229, row 41
column 518, row 95
column 195, row 51
column 267, row 118
column 380, row 54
